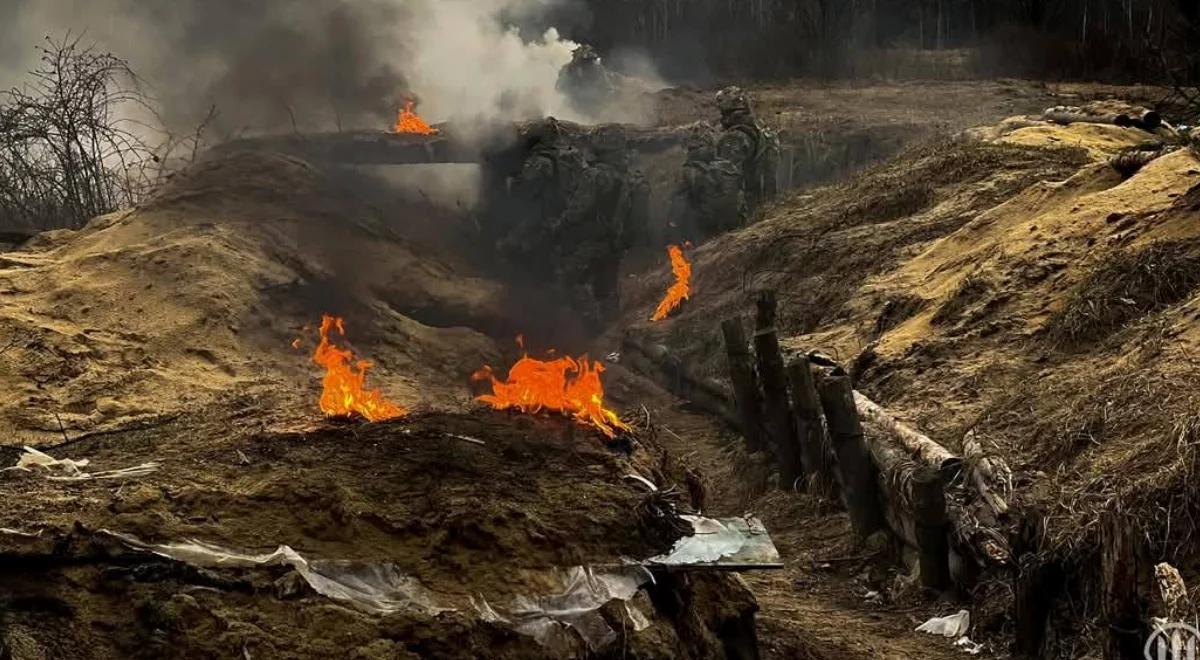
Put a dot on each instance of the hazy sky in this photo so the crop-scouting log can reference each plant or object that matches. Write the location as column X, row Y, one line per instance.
column 325, row 62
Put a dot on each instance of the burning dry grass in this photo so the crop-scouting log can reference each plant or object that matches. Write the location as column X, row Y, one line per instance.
column 1128, row 287
column 566, row 385
column 343, row 387
column 680, row 290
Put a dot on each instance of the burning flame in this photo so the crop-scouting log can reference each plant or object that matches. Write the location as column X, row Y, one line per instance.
column 408, row 121
column 343, row 394
column 566, row 385
column 680, row 290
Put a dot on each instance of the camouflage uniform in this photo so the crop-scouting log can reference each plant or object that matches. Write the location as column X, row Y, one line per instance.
column 709, row 200
column 548, row 177
column 585, row 82
column 748, row 145
column 604, row 217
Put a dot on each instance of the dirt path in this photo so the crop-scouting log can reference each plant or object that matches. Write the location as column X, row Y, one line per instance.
column 817, row 606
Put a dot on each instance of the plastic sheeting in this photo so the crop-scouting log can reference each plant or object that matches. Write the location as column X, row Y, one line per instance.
column 67, row 469
column 379, row 588
column 552, row 620
column 954, row 625
column 728, row 543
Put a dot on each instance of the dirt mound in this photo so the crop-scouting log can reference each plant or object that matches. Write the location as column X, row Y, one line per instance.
column 1016, row 286
column 816, row 248
column 200, row 292
column 475, row 508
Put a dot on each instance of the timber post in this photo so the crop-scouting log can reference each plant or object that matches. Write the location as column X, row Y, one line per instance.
column 1122, row 605
column 933, row 544
column 745, row 382
column 781, row 432
column 1036, row 587
column 860, row 490
column 810, row 431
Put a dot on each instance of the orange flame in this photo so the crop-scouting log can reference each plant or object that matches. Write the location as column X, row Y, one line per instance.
column 343, row 394
column 680, row 290
column 407, row 121
column 564, row 385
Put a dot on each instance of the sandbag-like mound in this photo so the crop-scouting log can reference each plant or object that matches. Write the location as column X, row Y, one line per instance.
column 200, row 292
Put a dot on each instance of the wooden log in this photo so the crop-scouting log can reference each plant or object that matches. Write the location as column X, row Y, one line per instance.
column 745, row 383
column 815, row 452
column 860, row 491
column 706, row 394
column 1036, row 587
column 1123, row 604
column 895, row 462
column 919, row 445
column 991, row 476
column 929, row 511
column 777, row 414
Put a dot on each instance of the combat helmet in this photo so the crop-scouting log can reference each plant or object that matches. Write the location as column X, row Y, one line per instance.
column 732, row 100
column 584, row 53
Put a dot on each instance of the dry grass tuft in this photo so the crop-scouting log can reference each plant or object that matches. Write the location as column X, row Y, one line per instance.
column 905, row 199
column 970, row 291
column 1126, row 288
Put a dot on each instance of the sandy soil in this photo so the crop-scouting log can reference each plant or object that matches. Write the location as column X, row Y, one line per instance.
column 164, row 333
column 1010, row 283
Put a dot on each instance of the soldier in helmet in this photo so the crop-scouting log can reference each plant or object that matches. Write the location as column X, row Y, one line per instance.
column 604, row 217
column 709, row 200
column 749, row 146
column 549, row 174
column 586, row 83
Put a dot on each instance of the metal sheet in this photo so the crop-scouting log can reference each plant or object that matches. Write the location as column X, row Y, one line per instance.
column 726, row 544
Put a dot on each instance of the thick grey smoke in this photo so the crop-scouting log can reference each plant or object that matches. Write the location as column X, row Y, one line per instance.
column 272, row 65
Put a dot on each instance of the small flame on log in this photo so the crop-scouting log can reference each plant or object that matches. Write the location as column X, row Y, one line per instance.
column 407, row 121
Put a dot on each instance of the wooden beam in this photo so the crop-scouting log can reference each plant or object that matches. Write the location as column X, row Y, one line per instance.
column 815, row 452
column 1123, row 602
column 860, row 490
column 932, row 527
column 915, row 443
column 746, row 395
column 777, row 414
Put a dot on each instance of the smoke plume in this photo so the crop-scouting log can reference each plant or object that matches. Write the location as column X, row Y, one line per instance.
column 273, row 65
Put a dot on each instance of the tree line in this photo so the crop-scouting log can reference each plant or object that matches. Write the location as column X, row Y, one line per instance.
column 1117, row 40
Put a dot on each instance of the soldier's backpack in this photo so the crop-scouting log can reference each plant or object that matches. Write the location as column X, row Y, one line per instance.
column 763, row 167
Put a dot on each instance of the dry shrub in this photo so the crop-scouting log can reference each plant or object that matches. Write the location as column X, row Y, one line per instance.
column 892, row 203
column 1128, row 287
column 1116, row 437
column 970, row 291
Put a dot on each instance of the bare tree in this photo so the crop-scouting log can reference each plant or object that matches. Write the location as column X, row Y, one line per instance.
column 71, row 147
